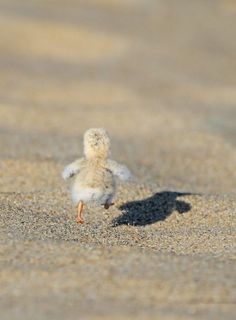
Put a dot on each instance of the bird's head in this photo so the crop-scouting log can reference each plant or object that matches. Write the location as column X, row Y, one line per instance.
column 96, row 143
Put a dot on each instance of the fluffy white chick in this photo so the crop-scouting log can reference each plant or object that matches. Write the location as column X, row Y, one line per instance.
column 95, row 173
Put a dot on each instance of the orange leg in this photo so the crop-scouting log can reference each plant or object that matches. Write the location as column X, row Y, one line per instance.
column 79, row 218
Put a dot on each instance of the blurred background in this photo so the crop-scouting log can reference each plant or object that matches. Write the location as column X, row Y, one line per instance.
column 159, row 75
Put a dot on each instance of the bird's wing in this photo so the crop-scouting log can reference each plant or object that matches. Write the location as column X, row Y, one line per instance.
column 119, row 170
column 73, row 168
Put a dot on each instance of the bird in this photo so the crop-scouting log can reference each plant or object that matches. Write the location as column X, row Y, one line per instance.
column 95, row 173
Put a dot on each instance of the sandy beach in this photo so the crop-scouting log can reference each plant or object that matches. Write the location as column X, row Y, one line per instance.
column 160, row 76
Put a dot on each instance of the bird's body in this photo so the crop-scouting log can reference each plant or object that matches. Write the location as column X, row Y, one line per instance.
column 95, row 173
column 95, row 182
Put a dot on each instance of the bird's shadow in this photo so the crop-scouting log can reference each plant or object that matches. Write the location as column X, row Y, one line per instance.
column 153, row 209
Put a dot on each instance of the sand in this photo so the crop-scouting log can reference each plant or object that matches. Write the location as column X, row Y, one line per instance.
column 160, row 77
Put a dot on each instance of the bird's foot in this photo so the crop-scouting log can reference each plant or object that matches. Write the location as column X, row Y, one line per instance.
column 79, row 220
column 107, row 205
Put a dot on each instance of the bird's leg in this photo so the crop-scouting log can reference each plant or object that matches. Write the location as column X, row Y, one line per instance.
column 107, row 205
column 79, row 218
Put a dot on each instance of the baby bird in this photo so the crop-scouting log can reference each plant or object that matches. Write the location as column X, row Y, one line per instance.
column 95, row 173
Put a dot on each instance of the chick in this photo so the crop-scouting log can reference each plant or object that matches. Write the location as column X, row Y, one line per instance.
column 95, row 173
